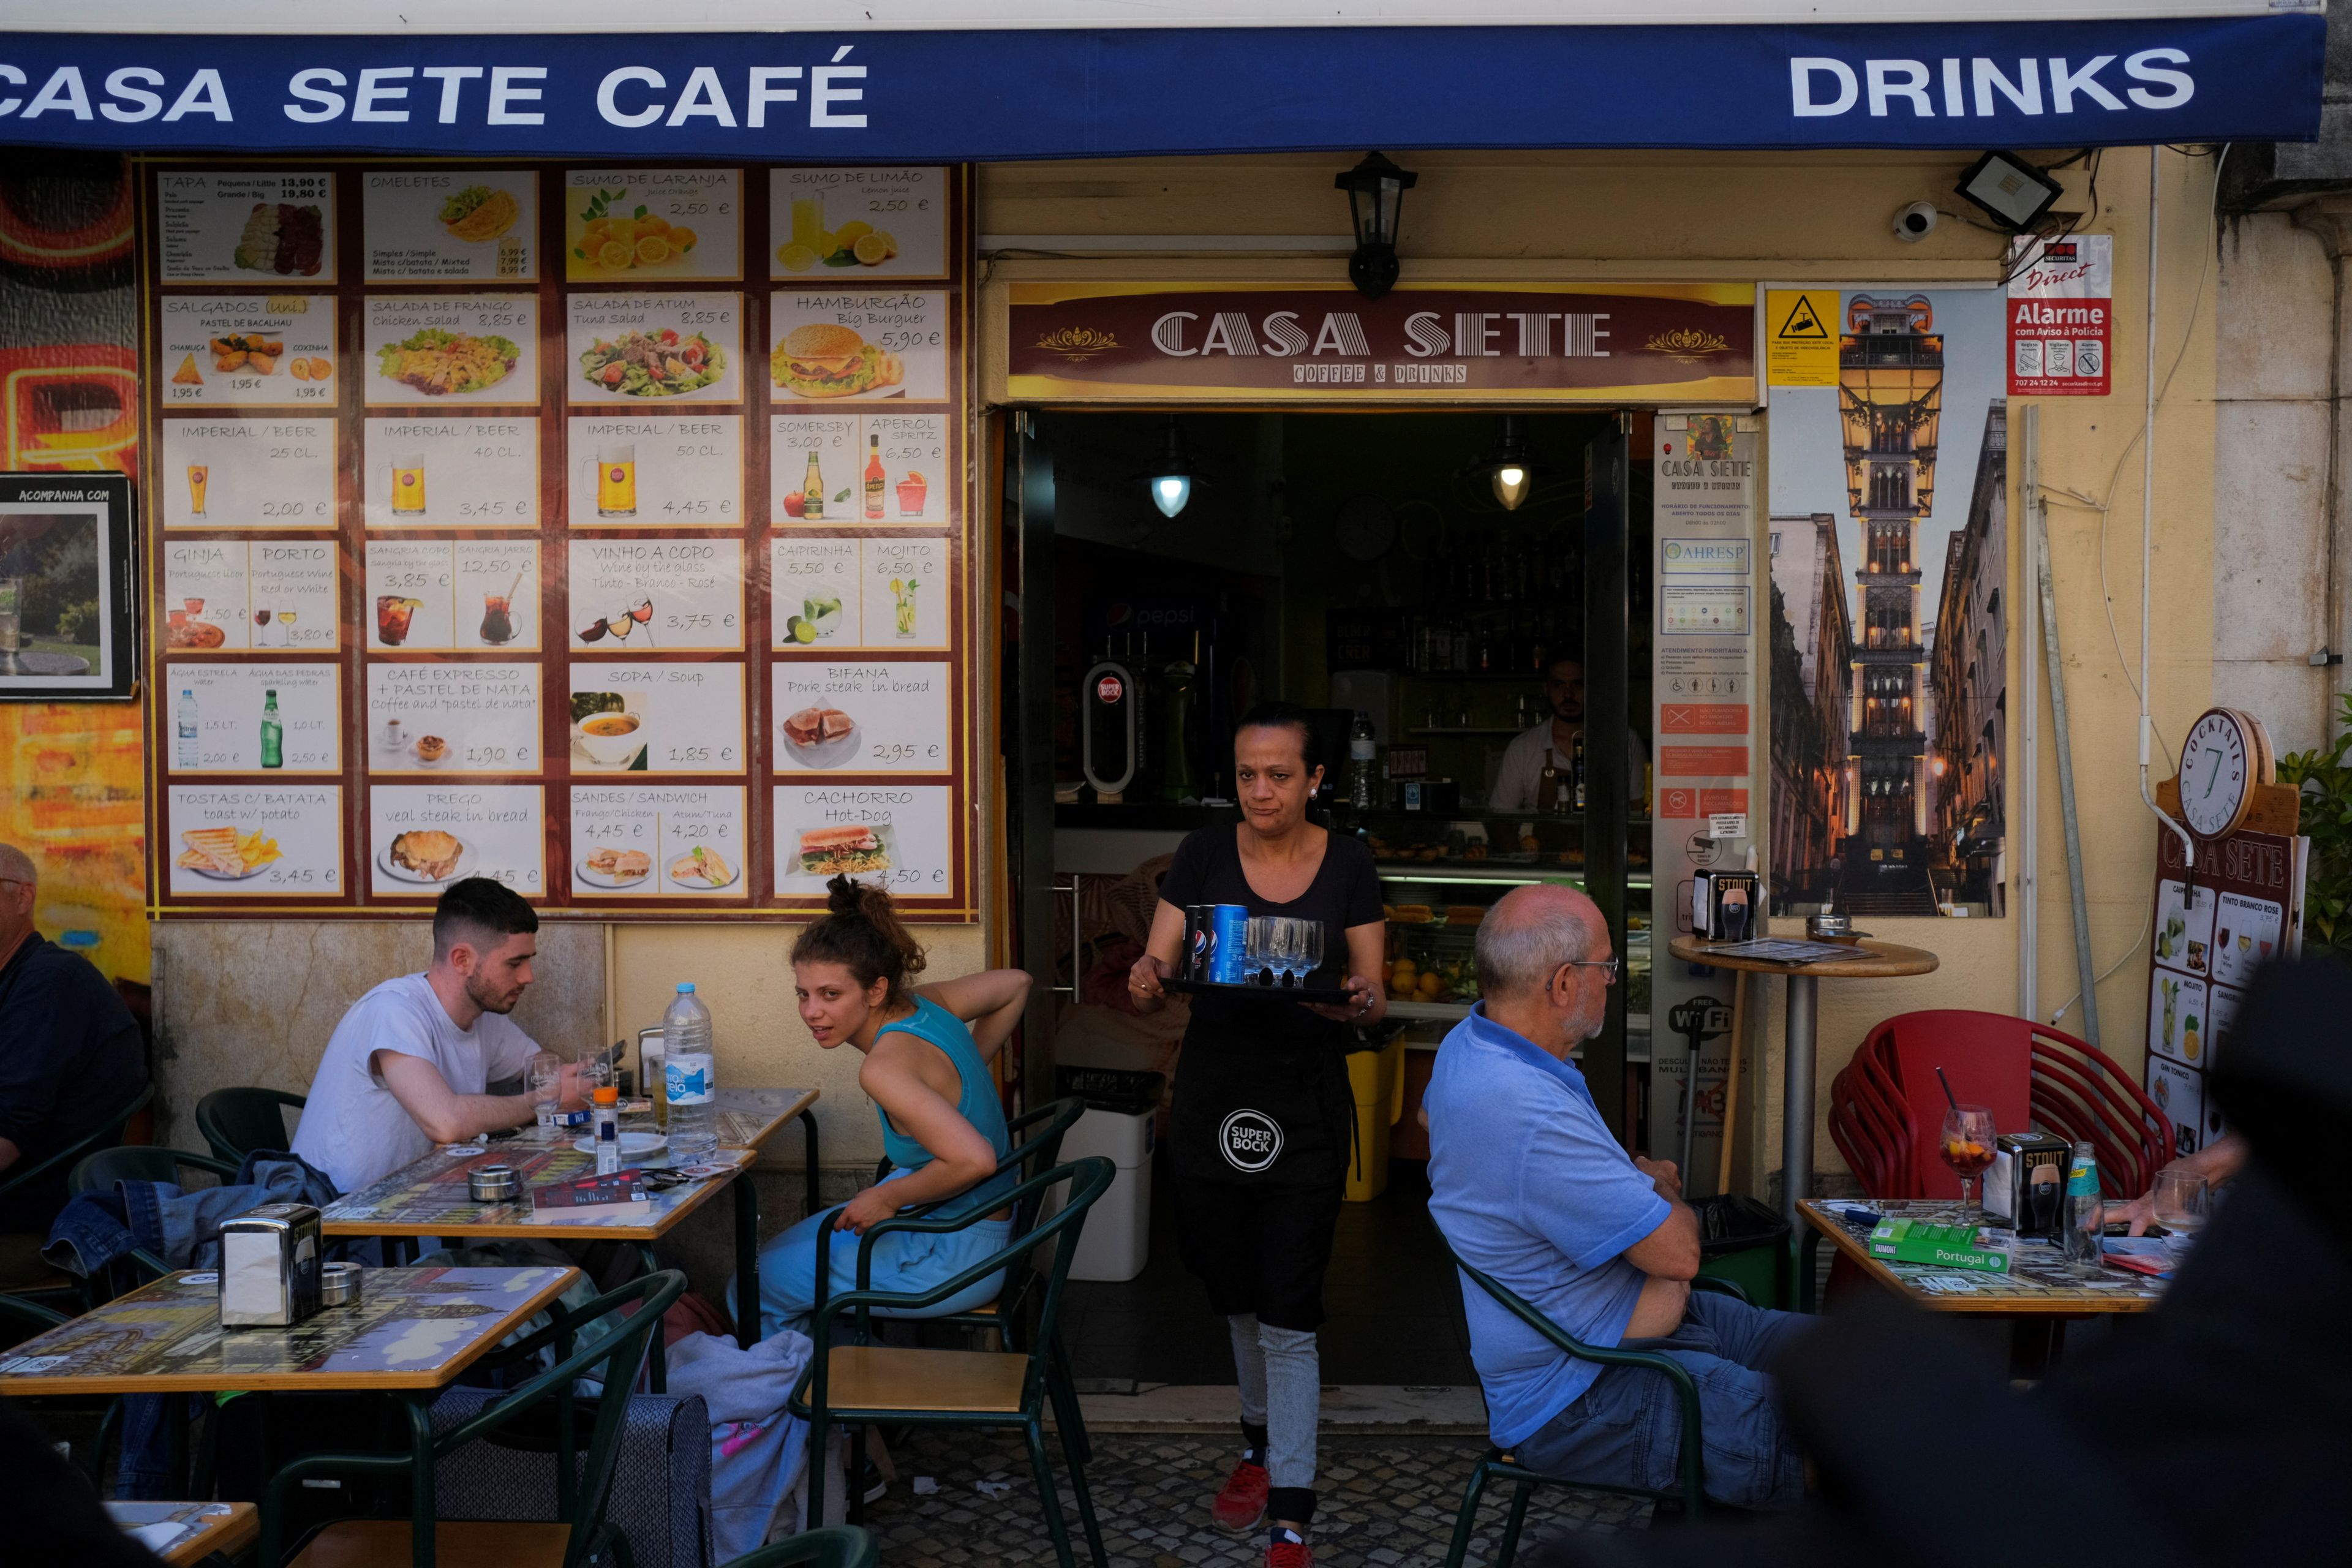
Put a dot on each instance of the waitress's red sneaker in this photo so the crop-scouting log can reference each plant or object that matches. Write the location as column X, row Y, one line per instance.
column 1288, row 1550
column 1241, row 1503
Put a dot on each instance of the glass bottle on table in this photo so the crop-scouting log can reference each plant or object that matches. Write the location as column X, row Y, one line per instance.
column 2085, row 1221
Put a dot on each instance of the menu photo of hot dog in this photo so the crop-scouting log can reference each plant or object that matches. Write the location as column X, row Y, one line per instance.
column 896, row 836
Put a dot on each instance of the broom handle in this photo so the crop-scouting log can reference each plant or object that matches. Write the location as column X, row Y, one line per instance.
column 1731, row 1079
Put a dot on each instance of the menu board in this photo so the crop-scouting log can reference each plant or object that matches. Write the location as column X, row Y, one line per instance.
column 503, row 531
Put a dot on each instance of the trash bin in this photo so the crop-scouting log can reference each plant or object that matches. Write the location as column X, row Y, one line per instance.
column 1377, row 1079
column 1121, row 1108
column 1741, row 1240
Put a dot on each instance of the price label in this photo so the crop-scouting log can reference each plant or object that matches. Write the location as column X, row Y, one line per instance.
column 442, row 717
column 229, row 841
column 451, row 225
column 879, row 715
column 642, row 716
column 819, row 216
column 655, row 351
column 629, row 470
column 451, row 473
column 422, row 837
column 646, row 227
column 245, row 352
column 906, row 331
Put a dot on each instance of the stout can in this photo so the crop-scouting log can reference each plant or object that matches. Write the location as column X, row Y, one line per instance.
column 1228, row 939
column 1192, row 964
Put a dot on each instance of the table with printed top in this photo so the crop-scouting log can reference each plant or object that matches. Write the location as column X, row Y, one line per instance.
column 430, row 1196
column 184, row 1533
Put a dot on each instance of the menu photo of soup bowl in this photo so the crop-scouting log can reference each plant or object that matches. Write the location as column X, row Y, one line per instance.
column 606, row 735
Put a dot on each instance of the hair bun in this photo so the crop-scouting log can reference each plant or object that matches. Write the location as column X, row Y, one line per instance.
column 844, row 897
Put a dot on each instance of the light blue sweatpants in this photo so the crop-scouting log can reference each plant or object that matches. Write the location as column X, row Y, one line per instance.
column 903, row 1262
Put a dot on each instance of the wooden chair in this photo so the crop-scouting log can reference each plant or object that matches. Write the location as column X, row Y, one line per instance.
column 834, row 1546
column 1498, row 1466
column 543, row 1410
column 236, row 1121
column 862, row 1384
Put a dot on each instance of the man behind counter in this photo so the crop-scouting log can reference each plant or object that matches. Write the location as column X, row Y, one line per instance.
column 1552, row 743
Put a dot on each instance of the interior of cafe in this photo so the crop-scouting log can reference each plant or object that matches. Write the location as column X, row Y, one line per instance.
column 1415, row 581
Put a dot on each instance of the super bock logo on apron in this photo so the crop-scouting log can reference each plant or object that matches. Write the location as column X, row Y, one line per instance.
column 1250, row 1141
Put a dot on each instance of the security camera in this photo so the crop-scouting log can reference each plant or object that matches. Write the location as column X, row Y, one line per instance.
column 1915, row 222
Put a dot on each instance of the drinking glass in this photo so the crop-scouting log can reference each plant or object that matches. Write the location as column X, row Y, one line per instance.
column 642, row 612
column 1258, row 947
column 2183, row 1204
column 544, row 1072
column 1968, row 1148
column 1311, row 952
column 1288, row 941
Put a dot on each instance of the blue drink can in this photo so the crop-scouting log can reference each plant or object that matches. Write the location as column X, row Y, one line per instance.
column 1228, row 936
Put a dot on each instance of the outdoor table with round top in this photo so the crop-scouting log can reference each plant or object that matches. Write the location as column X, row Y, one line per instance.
column 1872, row 960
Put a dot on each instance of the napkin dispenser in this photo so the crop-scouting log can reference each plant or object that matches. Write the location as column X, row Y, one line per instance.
column 271, row 1266
column 1726, row 906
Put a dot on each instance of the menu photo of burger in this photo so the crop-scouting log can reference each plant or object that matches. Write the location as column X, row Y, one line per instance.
column 826, row 359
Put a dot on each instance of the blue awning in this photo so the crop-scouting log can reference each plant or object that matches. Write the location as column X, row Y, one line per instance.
column 926, row 97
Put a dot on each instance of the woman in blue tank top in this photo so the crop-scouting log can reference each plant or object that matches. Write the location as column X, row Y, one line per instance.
column 928, row 1075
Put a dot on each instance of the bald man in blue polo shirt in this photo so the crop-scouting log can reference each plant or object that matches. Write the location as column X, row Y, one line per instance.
column 1530, row 1186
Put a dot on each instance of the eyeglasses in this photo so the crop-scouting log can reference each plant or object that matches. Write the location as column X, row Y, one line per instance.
column 1614, row 965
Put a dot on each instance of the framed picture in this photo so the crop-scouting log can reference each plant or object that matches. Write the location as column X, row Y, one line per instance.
column 68, row 593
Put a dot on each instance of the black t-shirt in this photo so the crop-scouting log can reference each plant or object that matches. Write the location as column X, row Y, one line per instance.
column 70, row 1055
column 1262, row 1088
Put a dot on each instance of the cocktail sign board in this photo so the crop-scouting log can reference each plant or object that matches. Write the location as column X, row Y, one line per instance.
column 1571, row 343
column 2217, row 922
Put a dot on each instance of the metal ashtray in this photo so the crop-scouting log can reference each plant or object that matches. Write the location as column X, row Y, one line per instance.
column 1831, row 926
column 338, row 1285
column 494, row 1184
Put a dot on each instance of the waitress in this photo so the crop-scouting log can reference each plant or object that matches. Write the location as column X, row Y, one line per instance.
column 1262, row 1124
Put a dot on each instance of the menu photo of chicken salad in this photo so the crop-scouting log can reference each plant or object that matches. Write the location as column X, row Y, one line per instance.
column 452, row 348
column 242, row 226
column 649, row 348
column 451, row 225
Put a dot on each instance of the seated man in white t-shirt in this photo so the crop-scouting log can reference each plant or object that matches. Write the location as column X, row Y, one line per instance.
column 406, row 1068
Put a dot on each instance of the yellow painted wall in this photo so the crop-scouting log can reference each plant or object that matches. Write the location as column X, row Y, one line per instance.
column 1794, row 217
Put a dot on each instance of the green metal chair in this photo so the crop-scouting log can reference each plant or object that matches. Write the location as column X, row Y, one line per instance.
column 136, row 1163
column 861, row 1384
column 236, row 1121
column 581, row 1490
column 1498, row 1466
column 835, row 1546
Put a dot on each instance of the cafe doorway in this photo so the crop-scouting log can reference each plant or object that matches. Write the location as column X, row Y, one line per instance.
column 1355, row 564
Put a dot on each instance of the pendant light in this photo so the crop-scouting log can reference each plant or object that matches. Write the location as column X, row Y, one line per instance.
column 1509, row 468
column 1170, row 479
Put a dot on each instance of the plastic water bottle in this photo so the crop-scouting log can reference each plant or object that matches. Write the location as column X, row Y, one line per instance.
column 184, row 717
column 1361, row 751
column 686, row 1070
column 2085, row 1212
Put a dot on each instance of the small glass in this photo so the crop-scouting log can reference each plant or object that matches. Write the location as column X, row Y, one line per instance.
column 1258, row 947
column 1311, row 950
column 544, row 1073
column 2183, row 1204
column 1969, row 1150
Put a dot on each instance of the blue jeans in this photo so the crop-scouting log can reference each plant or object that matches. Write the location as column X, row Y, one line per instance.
column 1626, row 1429
column 906, row 1262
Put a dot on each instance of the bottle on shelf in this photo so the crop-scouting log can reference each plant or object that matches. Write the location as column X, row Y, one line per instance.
column 1361, row 752
column 190, row 743
column 273, row 732
column 875, row 479
column 1576, row 764
column 687, row 1061
column 812, row 489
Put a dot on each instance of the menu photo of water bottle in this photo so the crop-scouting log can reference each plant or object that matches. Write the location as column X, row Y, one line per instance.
column 240, row 718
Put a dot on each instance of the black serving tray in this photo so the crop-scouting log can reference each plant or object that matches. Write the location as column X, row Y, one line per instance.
column 1330, row 996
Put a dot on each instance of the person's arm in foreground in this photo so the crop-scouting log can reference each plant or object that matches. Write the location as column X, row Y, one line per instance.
column 1145, row 981
column 1668, row 1255
column 1367, row 1002
column 447, row 1116
column 2217, row 1162
column 990, row 1002
column 960, row 1157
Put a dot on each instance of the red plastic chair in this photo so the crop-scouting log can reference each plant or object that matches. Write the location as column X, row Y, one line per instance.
column 1888, row 1106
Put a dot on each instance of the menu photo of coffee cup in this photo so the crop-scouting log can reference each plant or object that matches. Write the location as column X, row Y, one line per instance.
column 607, row 734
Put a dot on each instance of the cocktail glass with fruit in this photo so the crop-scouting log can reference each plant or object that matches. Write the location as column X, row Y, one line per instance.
column 913, row 491
column 902, row 592
column 1968, row 1148
column 393, row 614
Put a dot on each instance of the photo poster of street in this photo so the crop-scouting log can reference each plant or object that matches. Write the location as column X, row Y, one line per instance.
column 1888, row 435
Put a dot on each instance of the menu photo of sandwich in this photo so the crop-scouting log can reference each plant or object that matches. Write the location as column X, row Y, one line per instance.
column 605, row 866
column 850, row 848
column 702, row 869
column 226, row 855
column 826, row 359
column 425, row 855
column 819, row 737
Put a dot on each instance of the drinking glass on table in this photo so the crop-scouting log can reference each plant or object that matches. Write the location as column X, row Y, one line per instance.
column 2183, row 1204
column 544, row 1073
column 1258, row 947
column 1968, row 1148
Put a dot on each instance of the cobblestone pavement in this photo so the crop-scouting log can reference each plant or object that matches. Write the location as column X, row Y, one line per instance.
column 1387, row 1502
